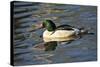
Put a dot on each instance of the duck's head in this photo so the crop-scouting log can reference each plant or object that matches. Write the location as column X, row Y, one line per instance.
column 49, row 25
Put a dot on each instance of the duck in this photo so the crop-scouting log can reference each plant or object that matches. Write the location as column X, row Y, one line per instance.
column 54, row 34
column 59, row 33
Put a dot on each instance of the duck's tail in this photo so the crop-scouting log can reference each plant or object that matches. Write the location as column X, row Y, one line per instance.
column 85, row 32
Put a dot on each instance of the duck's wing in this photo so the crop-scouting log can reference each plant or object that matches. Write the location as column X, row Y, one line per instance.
column 64, row 27
column 46, row 46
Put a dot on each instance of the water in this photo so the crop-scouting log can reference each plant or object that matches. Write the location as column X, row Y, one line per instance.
column 26, row 14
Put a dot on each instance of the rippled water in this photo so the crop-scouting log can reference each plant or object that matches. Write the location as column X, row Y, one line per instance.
column 27, row 14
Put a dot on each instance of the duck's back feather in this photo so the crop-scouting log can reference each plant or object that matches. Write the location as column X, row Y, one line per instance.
column 64, row 27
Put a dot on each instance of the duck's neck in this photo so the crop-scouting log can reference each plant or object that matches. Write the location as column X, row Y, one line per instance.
column 51, row 27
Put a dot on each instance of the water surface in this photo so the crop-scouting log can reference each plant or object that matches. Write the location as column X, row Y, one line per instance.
column 27, row 14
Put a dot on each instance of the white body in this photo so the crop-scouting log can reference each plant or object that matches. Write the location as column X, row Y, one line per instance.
column 59, row 35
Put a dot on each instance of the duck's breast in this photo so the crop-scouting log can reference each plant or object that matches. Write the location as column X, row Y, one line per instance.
column 59, row 35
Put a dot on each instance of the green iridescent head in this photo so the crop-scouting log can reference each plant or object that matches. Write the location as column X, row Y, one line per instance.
column 49, row 25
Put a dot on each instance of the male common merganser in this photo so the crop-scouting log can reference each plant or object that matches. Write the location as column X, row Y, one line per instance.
column 62, row 33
